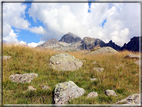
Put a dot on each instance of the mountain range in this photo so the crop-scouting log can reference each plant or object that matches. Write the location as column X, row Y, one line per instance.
column 71, row 42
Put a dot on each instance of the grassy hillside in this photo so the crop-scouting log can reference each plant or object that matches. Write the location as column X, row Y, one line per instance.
column 122, row 80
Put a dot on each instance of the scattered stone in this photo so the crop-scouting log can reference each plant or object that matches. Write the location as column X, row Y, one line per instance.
column 116, row 67
column 92, row 94
column 132, row 56
column 23, row 78
column 132, row 99
column 31, row 88
column 44, row 87
column 94, row 62
column 98, row 69
column 110, row 92
column 83, row 60
column 65, row 62
column 137, row 74
column 66, row 91
column 93, row 79
column 138, row 62
column 6, row 57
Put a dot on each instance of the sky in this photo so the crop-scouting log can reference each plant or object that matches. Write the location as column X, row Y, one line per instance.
column 34, row 23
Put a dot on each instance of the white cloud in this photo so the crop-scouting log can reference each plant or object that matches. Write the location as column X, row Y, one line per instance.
column 9, row 35
column 35, row 44
column 60, row 19
column 38, row 30
column 13, row 14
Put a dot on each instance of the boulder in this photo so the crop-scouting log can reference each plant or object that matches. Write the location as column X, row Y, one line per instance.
column 23, row 78
column 131, row 99
column 92, row 94
column 66, row 91
column 98, row 69
column 6, row 57
column 110, row 92
column 103, row 50
column 65, row 62
column 131, row 56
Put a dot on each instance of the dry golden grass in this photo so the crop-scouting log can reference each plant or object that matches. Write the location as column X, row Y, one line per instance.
column 119, row 74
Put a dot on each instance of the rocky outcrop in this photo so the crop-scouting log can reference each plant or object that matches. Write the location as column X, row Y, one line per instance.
column 65, row 62
column 70, row 38
column 103, row 50
column 132, row 45
column 66, row 91
column 110, row 92
column 132, row 99
column 132, row 56
column 23, row 78
column 113, row 45
column 89, row 43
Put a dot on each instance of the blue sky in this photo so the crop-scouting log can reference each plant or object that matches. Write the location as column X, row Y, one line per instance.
column 35, row 23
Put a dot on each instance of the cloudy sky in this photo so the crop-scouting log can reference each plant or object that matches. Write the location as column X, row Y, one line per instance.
column 35, row 23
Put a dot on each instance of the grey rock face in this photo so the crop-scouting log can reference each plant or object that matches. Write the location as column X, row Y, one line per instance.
column 6, row 57
column 70, row 38
column 110, row 92
column 89, row 43
column 98, row 69
column 132, row 56
column 65, row 62
column 23, row 78
column 92, row 94
column 66, row 91
column 132, row 45
column 132, row 99
column 49, row 44
column 113, row 45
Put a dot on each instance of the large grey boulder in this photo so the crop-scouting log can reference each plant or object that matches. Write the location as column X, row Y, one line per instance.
column 23, row 78
column 66, row 91
column 103, row 50
column 65, row 62
column 131, row 56
column 131, row 99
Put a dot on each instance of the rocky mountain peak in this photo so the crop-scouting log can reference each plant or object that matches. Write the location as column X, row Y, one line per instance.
column 132, row 45
column 70, row 38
